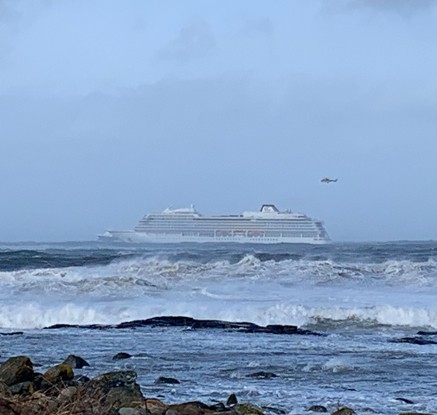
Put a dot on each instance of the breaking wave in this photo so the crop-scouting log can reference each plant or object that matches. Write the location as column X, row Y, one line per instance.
column 33, row 315
column 309, row 287
column 150, row 274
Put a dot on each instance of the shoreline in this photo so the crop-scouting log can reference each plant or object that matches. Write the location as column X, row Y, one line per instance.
column 59, row 391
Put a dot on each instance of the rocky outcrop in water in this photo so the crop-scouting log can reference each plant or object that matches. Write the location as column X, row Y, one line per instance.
column 414, row 340
column 195, row 324
column 121, row 356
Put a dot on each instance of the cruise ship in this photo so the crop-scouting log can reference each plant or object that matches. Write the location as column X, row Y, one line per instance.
column 266, row 226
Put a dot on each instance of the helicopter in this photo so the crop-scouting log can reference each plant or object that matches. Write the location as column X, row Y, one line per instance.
column 327, row 180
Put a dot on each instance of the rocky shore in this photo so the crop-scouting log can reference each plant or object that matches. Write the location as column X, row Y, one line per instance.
column 57, row 391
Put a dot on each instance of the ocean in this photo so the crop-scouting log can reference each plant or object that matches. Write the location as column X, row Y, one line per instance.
column 374, row 306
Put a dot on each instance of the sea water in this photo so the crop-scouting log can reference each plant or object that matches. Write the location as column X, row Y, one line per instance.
column 362, row 298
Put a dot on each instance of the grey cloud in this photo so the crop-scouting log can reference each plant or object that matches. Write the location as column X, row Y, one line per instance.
column 193, row 42
column 401, row 7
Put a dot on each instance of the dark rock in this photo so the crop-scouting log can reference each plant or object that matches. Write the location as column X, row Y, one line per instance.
column 427, row 333
column 232, row 400
column 132, row 411
column 22, row 388
column 4, row 390
column 278, row 329
column 16, row 370
column 165, row 380
column 404, row 400
column 262, row 375
column 121, row 356
column 12, row 333
column 62, row 326
column 39, row 382
column 413, row 340
column 81, row 379
column 247, row 409
column 414, row 413
column 79, row 326
column 155, row 406
column 107, row 381
column 76, row 362
column 225, row 325
column 165, row 321
column 344, row 411
column 189, row 322
column 123, row 396
column 218, row 407
column 317, row 408
column 114, row 390
column 58, row 374
column 189, row 408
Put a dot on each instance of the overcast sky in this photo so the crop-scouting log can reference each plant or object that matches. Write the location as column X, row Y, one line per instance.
column 111, row 109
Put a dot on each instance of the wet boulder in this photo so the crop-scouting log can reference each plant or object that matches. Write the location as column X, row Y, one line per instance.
column 344, row 411
column 218, row 407
column 58, row 374
column 155, row 406
column 107, row 381
column 116, row 390
column 16, row 369
column 76, row 362
column 121, row 356
column 247, row 409
column 22, row 388
column 167, row 381
column 119, row 397
column 317, row 408
column 188, row 408
column 232, row 400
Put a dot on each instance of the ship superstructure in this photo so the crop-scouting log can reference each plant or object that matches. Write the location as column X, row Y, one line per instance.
column 268, row 225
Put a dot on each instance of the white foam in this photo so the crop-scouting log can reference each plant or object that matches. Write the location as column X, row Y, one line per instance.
column 285, row 292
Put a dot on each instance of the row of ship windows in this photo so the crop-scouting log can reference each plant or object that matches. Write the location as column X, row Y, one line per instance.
column 226, row 225
column 229, row 219
column 245, row 234
column 224, row 229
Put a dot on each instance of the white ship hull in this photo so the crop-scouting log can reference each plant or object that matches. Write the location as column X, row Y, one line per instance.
column 140, row 237
column 267, row 226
